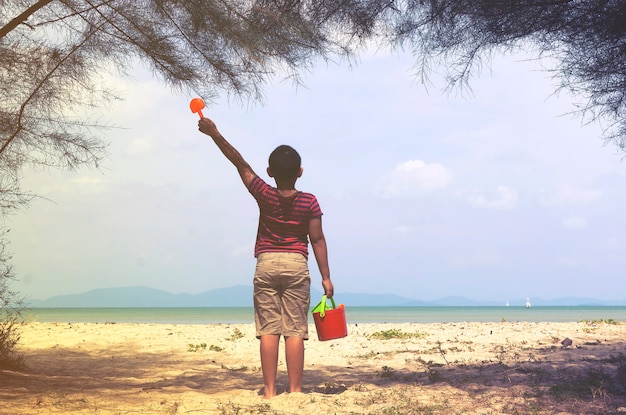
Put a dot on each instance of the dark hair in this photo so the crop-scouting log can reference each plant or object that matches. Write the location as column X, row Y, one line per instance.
column 285, row 162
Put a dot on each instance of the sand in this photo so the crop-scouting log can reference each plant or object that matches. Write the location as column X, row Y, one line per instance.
column 449, row 368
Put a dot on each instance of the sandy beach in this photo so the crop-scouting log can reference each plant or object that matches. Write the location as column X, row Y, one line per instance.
column 443, row 368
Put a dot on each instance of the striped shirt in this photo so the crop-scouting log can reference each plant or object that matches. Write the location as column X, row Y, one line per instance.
column 283, row 221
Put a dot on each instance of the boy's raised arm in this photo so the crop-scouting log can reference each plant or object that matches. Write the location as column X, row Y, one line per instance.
column 246, row 173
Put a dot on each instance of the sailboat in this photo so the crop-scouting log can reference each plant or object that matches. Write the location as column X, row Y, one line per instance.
column 527, row 302
column 507, row 303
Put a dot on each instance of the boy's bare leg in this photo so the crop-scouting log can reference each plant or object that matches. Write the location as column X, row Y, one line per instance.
column 269, row 363
column 294, row 351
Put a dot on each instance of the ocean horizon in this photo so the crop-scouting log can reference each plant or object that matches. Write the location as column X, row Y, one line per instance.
column 354, row 315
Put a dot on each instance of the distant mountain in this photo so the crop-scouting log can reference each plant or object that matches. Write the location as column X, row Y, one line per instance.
column 375, row 300
column 237, row 296
column 241, row 296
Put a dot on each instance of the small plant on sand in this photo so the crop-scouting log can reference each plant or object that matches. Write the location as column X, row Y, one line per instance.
column 593, row 384
column 331, row 388
column 237, row 334
column 400, row 401
column 170, row 408
column 232, row 408
column 10, row 336
column 11, row 306
column 387, row 372
column 600, row 321
column 442, row 352
column 369, row 355
column 435, row 376
column 360, row 387
column 395, row 334
column 241, row 368
column 195, row 347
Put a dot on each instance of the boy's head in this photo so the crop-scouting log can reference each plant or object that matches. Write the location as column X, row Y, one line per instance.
column 284, row 163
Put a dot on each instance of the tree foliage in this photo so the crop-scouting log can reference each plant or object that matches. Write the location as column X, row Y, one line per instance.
column 586, row 39
column 53, row 54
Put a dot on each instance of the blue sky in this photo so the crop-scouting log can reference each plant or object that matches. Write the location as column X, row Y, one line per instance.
column 493, row 195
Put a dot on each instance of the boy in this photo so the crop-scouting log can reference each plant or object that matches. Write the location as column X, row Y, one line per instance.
column 288, row 219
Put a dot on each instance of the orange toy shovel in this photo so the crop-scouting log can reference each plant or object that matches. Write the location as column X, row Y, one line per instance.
column 196, row 105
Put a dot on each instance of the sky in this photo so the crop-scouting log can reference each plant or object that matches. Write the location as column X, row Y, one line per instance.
column 496, row 194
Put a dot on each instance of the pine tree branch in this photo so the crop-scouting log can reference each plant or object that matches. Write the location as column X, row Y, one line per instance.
column 22, row 17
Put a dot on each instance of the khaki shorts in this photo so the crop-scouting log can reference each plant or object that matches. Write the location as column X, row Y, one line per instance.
column 282, row 294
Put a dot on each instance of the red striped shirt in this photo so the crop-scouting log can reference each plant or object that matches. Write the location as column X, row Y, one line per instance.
column 283, row 221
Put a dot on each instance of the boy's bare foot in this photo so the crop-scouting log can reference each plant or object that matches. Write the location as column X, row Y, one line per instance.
column 269, row 393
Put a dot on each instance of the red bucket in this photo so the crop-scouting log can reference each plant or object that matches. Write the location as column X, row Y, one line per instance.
column 330, row 323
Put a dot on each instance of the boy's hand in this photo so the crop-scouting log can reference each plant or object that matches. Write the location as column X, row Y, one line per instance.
column 207, row 126
column 329, row 289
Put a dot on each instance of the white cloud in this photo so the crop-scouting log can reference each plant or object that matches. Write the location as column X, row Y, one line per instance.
column 414, row 177
column 504, row 198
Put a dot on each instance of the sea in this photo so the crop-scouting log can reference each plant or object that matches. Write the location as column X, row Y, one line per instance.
column 354, row 315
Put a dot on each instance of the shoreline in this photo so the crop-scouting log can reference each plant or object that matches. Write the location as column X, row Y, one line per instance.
column 360, row 315
column 461, row 368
